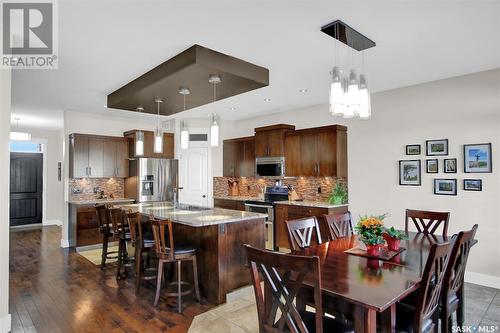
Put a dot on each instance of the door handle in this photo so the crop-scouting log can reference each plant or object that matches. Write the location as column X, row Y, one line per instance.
column 318, row 168
column 203, row 196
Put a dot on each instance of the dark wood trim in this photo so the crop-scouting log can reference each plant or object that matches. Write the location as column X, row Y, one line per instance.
column 275, row 127
column 246, row 138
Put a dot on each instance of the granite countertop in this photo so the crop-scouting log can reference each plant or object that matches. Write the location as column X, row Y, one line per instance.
column 99, row 201
column 194, row 216
column 240, row 198
column 307, row 203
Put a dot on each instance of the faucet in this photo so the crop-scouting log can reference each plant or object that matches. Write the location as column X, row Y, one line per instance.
column 175, row 191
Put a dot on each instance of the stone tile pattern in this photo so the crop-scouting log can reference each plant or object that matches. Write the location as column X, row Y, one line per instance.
column 239, row 314
column 306, row 187
column 116, row 186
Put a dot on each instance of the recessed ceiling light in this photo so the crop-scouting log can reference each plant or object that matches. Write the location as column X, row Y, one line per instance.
column 267, row 99
column 303, row 90
column 232, row 108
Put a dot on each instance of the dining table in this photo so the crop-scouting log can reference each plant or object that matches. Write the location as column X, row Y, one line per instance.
column 371, row 286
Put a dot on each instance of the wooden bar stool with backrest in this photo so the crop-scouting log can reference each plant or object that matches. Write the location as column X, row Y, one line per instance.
column 167, row 252
column 338, row 225
column 122, row 230
column 144, row 245
column 276, row 309
column 423, row 315
column 106, row 229
column 452, row 298
column 300, row 233
column 427, row 222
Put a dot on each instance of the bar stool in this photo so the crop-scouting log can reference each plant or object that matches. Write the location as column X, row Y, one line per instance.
column 168, row 253
column 103, row 219
column 144, row 244
column 122, row 230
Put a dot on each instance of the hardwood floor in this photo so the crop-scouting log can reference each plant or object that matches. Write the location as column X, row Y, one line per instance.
column 57, row 290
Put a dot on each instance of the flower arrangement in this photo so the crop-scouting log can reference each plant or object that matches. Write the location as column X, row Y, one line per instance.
column 339, row 194
column 393, row 238
column 370, row 230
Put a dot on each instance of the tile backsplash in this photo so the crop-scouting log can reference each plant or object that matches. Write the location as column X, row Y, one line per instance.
column 86, row 187
column 308, row 188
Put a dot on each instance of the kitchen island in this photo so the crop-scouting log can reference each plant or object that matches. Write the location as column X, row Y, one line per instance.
column 219, row 235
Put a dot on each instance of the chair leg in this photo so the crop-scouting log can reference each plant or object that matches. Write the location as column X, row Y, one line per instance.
column 460, row 309
column 158, row 282
column 138, row 273
column 195, row 278
column 179, row 287
column 120, row 260
column 104, row 250
column 445, row 322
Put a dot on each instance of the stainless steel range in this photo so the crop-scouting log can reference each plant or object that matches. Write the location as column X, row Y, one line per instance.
column 266, row 206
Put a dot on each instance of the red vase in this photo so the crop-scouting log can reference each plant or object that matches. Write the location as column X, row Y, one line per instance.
column 393, row 244
column 373, row 250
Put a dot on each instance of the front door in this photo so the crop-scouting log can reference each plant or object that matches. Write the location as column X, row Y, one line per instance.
column 25, row 188
column 193, row 176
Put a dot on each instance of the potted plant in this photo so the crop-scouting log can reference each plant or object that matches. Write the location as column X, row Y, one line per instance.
column 373, row 244
column 339, row 194
column 393, row 238
column 370, row 230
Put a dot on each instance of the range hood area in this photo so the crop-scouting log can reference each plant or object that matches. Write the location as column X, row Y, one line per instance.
column 189, row 69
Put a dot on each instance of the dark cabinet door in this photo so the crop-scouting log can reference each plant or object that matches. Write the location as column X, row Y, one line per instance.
column 275, row 143
column 25, row 188
column 292, row 155
column 122, row 158
column 79, row 160
column 280, row 216
column 168, row 145
column 309, row 154
column 229, row 153
column 109, row 158
column 246, row 166
column 326, row 154
column 262, row 144
column 96, row 156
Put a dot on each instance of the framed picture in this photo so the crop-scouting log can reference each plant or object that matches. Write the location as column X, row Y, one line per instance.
column 445, row 186
column 436, row 147
column 477, row 158
column 450, row 165
column 409, row 172
column 473, row 185
column 413, row 149
column 431, row 165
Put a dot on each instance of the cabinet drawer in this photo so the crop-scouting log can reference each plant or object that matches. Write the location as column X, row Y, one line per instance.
column 297, row 212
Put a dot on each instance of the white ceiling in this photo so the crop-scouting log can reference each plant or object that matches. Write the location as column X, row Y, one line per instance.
column 105, row 44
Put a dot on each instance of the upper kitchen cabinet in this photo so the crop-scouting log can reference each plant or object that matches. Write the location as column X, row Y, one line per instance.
column 96, row 156
column 318, row 152
column 270, row 140
column 149, row 139
column 239, row 157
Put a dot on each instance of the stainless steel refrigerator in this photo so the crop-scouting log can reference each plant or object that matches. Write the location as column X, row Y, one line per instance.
column 152, row 179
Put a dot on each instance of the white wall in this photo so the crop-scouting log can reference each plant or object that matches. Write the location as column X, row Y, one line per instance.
column 464, row 110
column 5, row 94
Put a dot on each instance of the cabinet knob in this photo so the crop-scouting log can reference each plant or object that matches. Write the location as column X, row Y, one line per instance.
column 203, row 196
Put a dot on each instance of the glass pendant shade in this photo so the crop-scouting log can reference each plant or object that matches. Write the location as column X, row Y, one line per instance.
column 214, row 132
column 184, row 136
column 336, row 93
column 364, row 99
column 352, row 97
column 139, row 143
column 158, row 146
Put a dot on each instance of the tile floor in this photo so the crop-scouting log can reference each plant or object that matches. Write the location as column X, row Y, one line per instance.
column 239, row 314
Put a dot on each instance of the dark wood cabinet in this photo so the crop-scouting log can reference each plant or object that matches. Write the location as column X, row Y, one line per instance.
column 283, row 213
column 97, row 156
column 239, row 157
column 270, row 140
column 318, row 152
column 149, row 139
column 229, row 204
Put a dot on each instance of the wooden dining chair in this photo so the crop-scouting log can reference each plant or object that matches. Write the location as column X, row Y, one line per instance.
column 300, row 233
column 106, row 229
column 452, row 298
column 276, row 309
column 427, row 222
column 144, row 248
column 338, row 225
column 167, row 252
column 422, row 315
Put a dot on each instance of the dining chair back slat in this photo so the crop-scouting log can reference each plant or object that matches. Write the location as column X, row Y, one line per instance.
column 427, row 222
column 273, row 271
column 300, row 232
column 338, row 225
column 164, row 237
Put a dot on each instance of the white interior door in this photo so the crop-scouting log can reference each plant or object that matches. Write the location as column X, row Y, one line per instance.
column 193, row 176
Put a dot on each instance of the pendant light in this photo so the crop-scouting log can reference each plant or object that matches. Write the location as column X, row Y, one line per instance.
column 364, row 99
column 139, row 138
column 19, row 136
column 214, row 127
column 184, row 130
column 158, row 145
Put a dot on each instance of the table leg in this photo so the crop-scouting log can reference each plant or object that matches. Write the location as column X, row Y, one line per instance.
column 389, row 319
column 365, row 320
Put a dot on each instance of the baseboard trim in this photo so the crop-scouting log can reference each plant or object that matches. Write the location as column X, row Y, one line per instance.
column 52, row 222
column 64, row 243
column 5, row 324
column 483, row 279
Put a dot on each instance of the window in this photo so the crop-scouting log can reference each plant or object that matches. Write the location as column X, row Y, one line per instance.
column 25, row 147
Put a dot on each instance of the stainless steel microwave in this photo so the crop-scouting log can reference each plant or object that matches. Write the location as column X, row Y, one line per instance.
column 270, row 166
